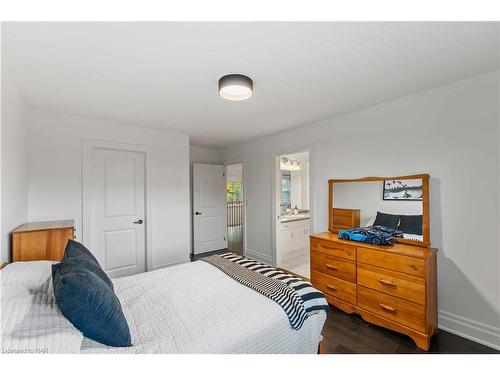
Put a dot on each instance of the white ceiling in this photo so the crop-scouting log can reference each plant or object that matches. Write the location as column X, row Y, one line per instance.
column 164, row 75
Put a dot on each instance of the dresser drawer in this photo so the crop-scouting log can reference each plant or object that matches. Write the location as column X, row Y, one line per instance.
column 343, row 220
column 333, row 266
column 334, row 287
column 397, row 284
column 396, row 262
column 334, row 248
column 396, row 309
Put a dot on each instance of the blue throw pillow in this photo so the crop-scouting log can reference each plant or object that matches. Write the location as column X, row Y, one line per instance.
column 90, row 304
column 79, row 255
column 77, row 250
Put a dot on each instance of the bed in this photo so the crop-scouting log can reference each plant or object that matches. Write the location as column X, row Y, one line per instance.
column 187, row 308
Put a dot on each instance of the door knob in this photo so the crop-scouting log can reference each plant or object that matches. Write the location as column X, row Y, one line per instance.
column 197, row 213
column 138, row 221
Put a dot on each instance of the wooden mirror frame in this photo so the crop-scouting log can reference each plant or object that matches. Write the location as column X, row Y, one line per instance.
column 425, row 204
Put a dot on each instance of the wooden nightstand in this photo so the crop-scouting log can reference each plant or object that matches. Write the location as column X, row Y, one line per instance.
column 42, row 241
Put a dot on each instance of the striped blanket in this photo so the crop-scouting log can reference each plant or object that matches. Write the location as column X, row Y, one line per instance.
column 297, row 297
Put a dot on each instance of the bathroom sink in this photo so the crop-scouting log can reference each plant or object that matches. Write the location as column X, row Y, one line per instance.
column 285, row 218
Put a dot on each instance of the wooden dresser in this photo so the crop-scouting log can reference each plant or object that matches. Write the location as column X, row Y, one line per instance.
column 42, row 241
column 344, row 218
column 392, row 286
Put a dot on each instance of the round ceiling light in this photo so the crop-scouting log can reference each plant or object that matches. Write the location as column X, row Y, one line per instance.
column 235, row 87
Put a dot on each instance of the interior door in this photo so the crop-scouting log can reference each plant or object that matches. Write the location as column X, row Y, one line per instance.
column 209, row 208
column 117, row 206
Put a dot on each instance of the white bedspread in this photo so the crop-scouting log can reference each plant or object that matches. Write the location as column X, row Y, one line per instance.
column 31, row 321
column 195, row 308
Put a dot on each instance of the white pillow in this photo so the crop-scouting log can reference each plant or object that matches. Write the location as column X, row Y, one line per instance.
column 31, row 275
column 413, row 237
column 370, row 222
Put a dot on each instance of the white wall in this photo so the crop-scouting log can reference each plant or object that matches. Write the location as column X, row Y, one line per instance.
column 296, row 189
column 13, row 163
column 55, row 176
column 205, row 155
column 305, row 186
column 452, row 133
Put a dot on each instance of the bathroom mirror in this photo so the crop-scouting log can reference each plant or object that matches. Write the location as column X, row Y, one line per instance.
column 400, row 202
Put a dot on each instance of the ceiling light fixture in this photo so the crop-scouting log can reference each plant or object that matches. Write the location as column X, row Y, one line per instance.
column 289, row 164
column 235, row 87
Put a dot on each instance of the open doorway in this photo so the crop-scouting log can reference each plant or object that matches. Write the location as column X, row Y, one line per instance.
column 235, row 208
column 292, row 208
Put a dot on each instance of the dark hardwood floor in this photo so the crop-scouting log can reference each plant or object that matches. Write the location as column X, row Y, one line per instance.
column 234, row 243
column 349, row 334
column 235, row 239
column 195, row 257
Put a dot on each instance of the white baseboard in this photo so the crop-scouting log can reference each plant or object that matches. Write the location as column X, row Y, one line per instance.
column 469, row 329
column 163, row 265
column 257, row 255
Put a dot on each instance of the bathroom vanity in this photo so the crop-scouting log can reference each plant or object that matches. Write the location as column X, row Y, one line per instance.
column 293, row 243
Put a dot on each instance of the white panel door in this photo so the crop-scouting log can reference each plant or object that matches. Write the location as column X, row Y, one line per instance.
column 117, row 206
column 209, row 208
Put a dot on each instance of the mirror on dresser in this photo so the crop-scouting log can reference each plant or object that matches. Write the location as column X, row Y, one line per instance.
column 400, row 202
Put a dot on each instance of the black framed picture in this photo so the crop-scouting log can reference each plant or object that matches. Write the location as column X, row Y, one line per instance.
column 403, row 190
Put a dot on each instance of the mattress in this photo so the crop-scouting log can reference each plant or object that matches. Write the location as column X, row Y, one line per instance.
column 195, row 308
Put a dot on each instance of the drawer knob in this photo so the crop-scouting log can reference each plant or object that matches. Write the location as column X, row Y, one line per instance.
column 386, row 282
column 332, row 267
column 387, row 308
column 413, row 267
column 331, row 287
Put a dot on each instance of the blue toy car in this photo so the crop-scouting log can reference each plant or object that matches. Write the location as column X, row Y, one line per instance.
column 376, row 235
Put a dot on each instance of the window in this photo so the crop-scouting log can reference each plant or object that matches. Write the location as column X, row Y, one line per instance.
column 234, row 191
column 285, row 189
